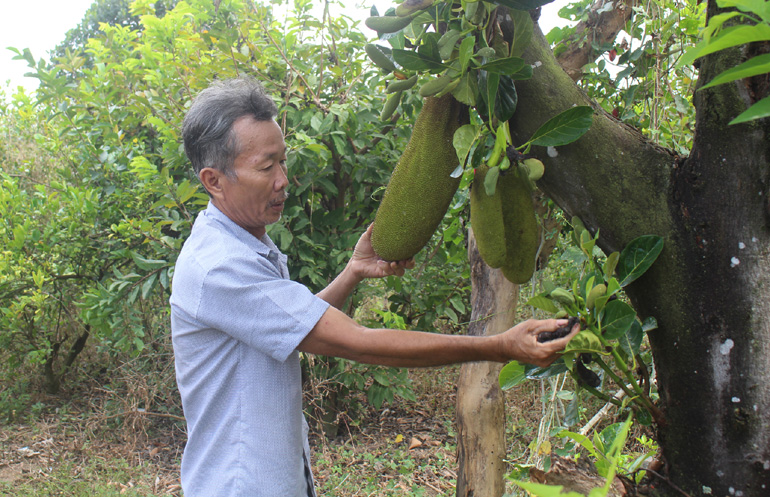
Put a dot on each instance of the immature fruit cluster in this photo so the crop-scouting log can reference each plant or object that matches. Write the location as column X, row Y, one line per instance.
column 505, row 224
column 421, row 187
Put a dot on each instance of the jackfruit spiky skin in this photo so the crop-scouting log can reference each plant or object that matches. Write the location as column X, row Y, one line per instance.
column 487, row 221
column 522, row 234
column 421, row 187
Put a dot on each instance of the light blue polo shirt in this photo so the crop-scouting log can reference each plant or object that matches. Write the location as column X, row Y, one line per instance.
column 236, row 321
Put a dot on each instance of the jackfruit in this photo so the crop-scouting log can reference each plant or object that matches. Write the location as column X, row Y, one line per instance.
column 487, row 221
column 505, row 224
column 421, row 186
column 522, row 234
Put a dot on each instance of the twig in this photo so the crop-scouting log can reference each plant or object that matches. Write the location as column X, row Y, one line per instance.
column 665, row 479
column 147, row 413
column 601, row 414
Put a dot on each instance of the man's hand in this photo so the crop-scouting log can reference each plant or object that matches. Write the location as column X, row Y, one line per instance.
column 520, row 342
column 365, row 263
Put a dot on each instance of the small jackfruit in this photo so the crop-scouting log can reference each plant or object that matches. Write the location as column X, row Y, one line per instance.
column 421, row 186
column 408, row 7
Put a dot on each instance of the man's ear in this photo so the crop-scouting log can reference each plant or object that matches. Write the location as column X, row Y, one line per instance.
column 211, row 179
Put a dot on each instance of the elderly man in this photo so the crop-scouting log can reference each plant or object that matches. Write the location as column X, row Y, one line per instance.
column 238, row 322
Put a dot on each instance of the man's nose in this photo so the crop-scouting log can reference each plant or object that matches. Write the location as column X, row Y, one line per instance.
column 282, row 181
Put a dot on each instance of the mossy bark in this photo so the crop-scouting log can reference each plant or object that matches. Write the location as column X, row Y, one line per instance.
column 710, row 288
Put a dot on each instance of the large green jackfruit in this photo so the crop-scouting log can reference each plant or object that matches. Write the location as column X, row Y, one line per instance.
column 487, row 221
column 522, row 234
column 421, row 186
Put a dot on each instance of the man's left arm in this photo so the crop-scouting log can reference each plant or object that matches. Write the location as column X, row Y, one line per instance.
column 364, row 263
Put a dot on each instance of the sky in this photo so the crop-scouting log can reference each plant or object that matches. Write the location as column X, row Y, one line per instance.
column 41, row 24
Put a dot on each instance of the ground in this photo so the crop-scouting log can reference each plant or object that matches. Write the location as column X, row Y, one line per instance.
column 79, row 446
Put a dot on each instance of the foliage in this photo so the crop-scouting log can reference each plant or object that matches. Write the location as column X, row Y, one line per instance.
column 637, row 78
column 463, row 51
column 608, row 459
column 719, row 35
column 609, row 327
column 119, row 185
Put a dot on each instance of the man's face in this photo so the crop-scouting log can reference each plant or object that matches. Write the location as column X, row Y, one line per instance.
column 255, row 197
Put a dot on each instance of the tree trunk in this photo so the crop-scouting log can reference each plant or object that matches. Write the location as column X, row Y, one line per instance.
column 710, row 287
column 480, row 402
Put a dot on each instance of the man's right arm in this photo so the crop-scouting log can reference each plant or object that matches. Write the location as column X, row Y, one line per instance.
column 337, row 335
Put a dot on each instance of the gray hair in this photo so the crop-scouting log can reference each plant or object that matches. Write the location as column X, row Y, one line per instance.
column 207, row 129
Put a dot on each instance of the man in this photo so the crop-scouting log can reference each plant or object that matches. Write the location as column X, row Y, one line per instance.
column 238, row 322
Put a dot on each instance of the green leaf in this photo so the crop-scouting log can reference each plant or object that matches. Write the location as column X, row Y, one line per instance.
column 544, row 303
column 564, row 128
column 757, row 111
column 148, row 284
column 511, row 375
column 610, row 264
column 617, row 319
column 523, row 28
column 463, row 141
column 585, row 341
column 538, row 373
column 490, row 180
column 148, row 264
column 492, row 84
column 752, row 67
column 631, row 342
column 637, row 257
column 467, row 90
column 507, row 99
column 728, row 37
column 510, row 65
column 414, row 61
column 759, row 7
column 466, row 52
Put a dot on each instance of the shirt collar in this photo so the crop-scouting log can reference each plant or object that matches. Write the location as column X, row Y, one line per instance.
column 262, row 246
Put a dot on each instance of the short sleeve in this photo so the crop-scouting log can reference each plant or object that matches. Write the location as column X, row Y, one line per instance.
column 247, row 299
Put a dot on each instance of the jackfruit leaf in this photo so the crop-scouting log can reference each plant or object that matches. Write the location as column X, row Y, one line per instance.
column 522, row 4
column 463, row 141
column 492, row 81
column 543, row 303
column 507, row 98
column 759, row 7
column 637, row 257
column 458, row 171
column 415, row 61
column 490, row 180
column 631, row 342
column 752, row 67
column 511, row 375
column 429, row 47
column 510, row 65
column 728, row 37
column 564, row 128
column 617, row 318
column 757, row 111
column 466, row 91
column 538, row 373
column 523, row 27
column 466, row 52
column 585, row 342
column 610, row 264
